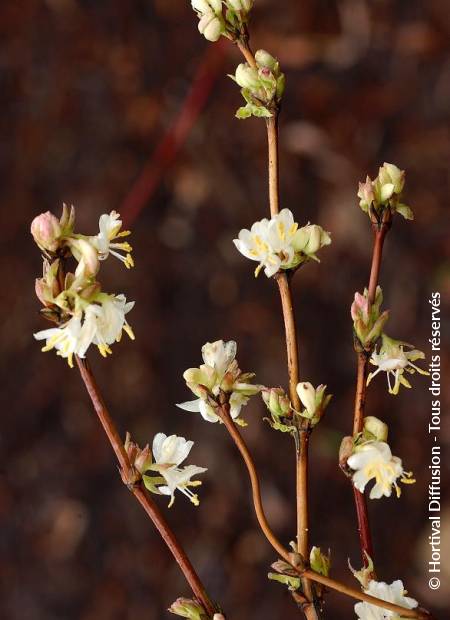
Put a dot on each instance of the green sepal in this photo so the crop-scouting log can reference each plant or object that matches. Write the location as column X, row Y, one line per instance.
column 293, row 583
column 151, row 482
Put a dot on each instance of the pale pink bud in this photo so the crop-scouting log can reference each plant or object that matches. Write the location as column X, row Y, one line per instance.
column 360, row 308
column 46, row 231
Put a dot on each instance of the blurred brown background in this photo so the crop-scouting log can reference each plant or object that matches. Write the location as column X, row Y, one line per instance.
column 88, row 89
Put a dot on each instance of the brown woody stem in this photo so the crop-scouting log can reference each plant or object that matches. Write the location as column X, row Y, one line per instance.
column 272, row 146
column 362, row 513
column 143, row 498
column 224, row 414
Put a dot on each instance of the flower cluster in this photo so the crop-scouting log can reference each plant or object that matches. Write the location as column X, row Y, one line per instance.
column 279, row 243
column 368, row 322
column 219, row 377
column 165, row 458
column 262, row 86
column 314, row 401
column 75, row 302
column 368, row 456
column 393, row 593
column 221, row 17
column 384, row 193
column 395, row 358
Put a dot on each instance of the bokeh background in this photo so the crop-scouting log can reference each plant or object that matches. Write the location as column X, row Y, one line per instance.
column 90, row 89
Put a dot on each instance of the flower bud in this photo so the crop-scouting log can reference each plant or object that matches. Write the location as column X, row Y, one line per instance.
column 345, row 451
column 366, row 194
column 375, row 429
column 140, row 459
column 307, row 395
column 243, row 6
column 319, row 562
column 314, row 401
column 309, row 239
column 206, row 6
column 47, row 287
column 187, row 608
column 247, row 77
column 264, row 59
column 360, row 308
column 281, row 85
column 390, row 174
column 368, row 323
column 277, row 402
column 46, row 231
column 67, row 219
column 211, row 26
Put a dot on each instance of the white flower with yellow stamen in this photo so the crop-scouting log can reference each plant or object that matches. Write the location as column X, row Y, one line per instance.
column 394, row 360
column 278, row 243
column 100, row 322
column 72, row 338
column 393, row 593
column 219, row 373
column 105, row 243
column 110, row 320
column 373, row 460
column 169, row 453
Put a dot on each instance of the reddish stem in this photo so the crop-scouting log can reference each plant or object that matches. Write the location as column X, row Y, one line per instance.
column 143, row 498
column 362, row 513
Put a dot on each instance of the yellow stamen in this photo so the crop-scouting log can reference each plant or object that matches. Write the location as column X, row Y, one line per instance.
column 129, row 331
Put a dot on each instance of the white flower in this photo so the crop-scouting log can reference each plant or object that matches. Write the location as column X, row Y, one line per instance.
column 110, row 320
column 71, row 338
column 374, row 460
column 100, row 322
column 169, row 453
column 278, row 243
column 393, row 593
column 394, row 361
column 220, row 371
column 105, row 243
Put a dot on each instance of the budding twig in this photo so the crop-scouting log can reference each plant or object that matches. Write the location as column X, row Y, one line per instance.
column 143, row 498
column 362, row 512
column 291, row 346
column 297, row 561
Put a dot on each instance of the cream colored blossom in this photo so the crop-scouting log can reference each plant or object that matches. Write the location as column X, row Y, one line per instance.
column 393, row 593
column 169, row 452
column 105, row 242
column 395, row 358
column 100, row 322
column 220, row 372
column 278, row 243
column 373, row 460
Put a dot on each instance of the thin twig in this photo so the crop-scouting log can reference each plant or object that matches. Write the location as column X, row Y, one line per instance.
column 244, row 48
column 291, row 346
column 143, row 498
column 224, row 414
column 362, row 513
column 272, row 147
